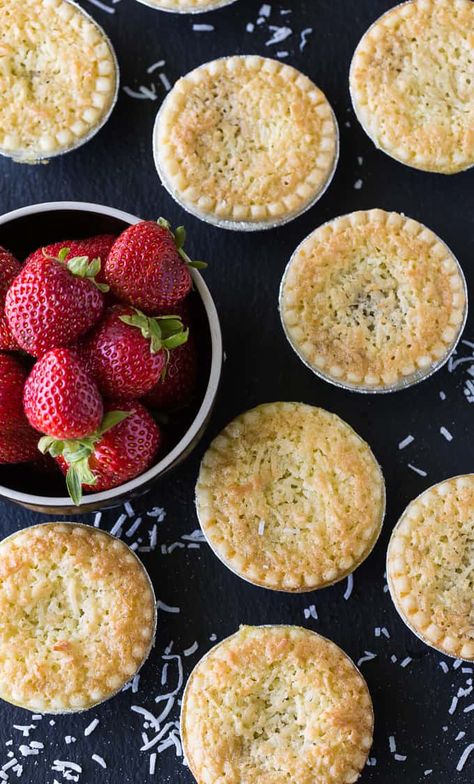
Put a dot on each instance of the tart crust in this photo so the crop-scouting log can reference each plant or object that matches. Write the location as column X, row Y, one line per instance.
column 274, row 704
column 187, row 6
column 430, row 566
column 246, row 142
column 77, row 617
column 373, row 301
column 290, row 497
column 411, row 84
column 58, row 78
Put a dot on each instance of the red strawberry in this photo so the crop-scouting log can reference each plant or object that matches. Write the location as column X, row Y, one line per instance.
column 182, row 310
column 9, row 269
column 61, row 398
column 123, row 447
column 176, row 386
column 12, row 380
column 147, row 266
column 18, row 441
column 18, row 446
column 94, row 247
column 53, row 301
column 128, row 351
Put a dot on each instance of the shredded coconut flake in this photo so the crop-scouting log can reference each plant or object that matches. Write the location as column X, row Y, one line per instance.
column 418, row 471
column 406, row 442
column 445, row 432
column 368, row 656
column 279, row 34
column 192, row 649
column 100, row 760
column 91, row 727
column 349, row 587
column 464, row 756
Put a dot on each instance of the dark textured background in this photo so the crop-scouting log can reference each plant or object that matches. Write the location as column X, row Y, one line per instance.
column 116, row 168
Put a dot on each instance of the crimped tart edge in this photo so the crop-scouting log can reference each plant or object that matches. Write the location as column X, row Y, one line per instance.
column 246, row 222
column 365, row 119
column 404, row 380
column 303, row 588
column 456, row 653
column 25, row 155
column 227, row 640
column 69, row 524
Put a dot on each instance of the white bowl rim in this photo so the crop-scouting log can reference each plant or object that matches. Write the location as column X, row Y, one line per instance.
column 212, row 385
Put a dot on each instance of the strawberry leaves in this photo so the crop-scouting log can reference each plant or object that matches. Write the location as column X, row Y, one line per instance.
column 81, row 267
column 76, row 453
column 163, row 332
column 179, row 239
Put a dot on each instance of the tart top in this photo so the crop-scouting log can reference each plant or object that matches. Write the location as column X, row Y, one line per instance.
column 411, row 83
column 373, row 298
column 57, row 77
column 290, row 497
column 77, row 617
column 274, row 704
column 430, row 566
column 246, row 139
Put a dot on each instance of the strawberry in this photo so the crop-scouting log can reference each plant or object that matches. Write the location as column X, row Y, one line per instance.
column 18, row 446
column 53, row 301
column 18, row 441
column 128, row 351
column 176, row 386
column 148, row 267
column 60, row 397
column 182, row 310
column 94, row 247
column 9, row 269
column 123, row 447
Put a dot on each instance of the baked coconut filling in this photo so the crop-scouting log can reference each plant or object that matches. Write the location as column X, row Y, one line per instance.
column 430, row 566
column 373, row 300
column 77, row 617
column 58, row 77
column 411, row 82
column 245, row 139
column 276, row 704
column 290, row 497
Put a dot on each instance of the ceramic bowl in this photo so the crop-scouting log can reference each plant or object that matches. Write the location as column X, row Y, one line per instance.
column 25, row 229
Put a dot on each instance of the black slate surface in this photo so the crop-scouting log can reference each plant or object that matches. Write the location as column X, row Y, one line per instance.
column 412, row 702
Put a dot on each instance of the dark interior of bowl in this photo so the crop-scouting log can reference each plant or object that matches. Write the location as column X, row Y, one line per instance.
column 23, row 235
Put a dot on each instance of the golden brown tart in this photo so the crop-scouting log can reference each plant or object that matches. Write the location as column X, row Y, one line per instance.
column 290, row 497
column 58, row 78
column 276, row 704
column 412, row 84
column 246, row 142
column 77, row 617
column 430, row 566
column 373, row 301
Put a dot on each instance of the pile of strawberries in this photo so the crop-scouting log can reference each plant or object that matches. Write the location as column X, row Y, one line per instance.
column 107, row 322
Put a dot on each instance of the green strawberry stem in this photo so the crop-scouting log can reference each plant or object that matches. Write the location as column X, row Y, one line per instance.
column 163, row 332
column 76, row 453
column 179, row 239
column 81, row 267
